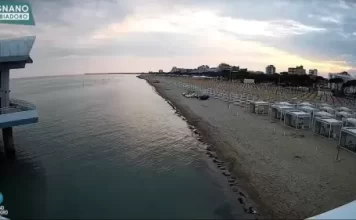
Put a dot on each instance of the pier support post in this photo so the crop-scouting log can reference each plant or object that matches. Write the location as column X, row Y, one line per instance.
column 8, row 141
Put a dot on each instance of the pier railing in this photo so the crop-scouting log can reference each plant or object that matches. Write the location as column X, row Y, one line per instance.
column 17, row 105
column 22, row 104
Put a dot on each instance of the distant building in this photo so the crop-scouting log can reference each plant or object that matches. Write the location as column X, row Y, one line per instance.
column 235, row 68
column 224, row 66
column 175, row 70
column 270, row 69
column 256, row 72
column 203, row 68
column 299, row 70
column 313, row 72
column 343, row 75
column 193, row 71
column 213, row 69
column 160, row 71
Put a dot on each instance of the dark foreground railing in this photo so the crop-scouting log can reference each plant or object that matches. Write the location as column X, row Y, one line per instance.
column 17, row 105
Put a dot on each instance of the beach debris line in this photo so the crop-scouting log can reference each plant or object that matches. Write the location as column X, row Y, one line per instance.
column 232, row 181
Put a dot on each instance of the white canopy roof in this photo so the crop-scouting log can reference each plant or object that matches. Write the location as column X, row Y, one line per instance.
column 261, row 103
column 345, row 114
column 305, row 103
column 299, row 114
column 351, row 131
column 308, row 108
column 351, row 120
column 16, row 49
column 330, row 120
column 283, row 103
column 284, row 107
column 344, row 109
column 326, row 108
column 325, row 114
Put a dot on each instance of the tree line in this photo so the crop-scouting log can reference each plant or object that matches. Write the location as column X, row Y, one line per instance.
column 284, row 80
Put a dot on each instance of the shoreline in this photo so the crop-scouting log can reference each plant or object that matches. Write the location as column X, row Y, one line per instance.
column 203, row 129
column 286, row 173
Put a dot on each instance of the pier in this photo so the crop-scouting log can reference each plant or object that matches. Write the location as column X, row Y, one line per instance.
column 14, row 54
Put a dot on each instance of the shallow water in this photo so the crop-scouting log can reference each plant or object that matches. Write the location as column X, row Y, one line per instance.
column 108, row 146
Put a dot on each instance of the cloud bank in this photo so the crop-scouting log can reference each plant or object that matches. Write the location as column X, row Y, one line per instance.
column 74, row 37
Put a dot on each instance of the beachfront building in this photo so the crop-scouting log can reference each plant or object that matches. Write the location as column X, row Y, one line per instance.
column 270, row 69
column 224, row 66
column 235, row 68
column 203, row 68
column 343, row 75
column 299, row 70
column 213, row 70
column 174, row 69
column 255, row 72
column 14, row 54
column 313, row 72
column 180, row 70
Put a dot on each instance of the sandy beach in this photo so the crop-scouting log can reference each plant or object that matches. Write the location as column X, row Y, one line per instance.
column 287, row 173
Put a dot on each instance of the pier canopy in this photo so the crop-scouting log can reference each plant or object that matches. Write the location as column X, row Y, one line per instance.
column 15, row 52
column 347, row 211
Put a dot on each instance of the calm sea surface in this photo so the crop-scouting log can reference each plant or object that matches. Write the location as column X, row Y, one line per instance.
column 107, row 147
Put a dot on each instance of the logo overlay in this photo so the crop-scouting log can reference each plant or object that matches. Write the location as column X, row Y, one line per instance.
column 16, row 13
column 3, row 211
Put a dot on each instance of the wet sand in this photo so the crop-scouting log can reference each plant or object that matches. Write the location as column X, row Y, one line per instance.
column 287, row 173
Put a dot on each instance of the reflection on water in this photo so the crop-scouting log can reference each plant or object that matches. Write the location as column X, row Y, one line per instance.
column 107, row 147
column 23, row 182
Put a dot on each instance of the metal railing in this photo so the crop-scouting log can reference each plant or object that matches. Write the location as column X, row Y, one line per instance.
column 22, row 104
column 17, row 105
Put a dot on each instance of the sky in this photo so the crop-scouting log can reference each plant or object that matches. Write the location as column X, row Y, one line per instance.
column 92, row 36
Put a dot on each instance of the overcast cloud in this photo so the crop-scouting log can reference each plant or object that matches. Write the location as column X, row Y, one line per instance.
column 77, row 36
